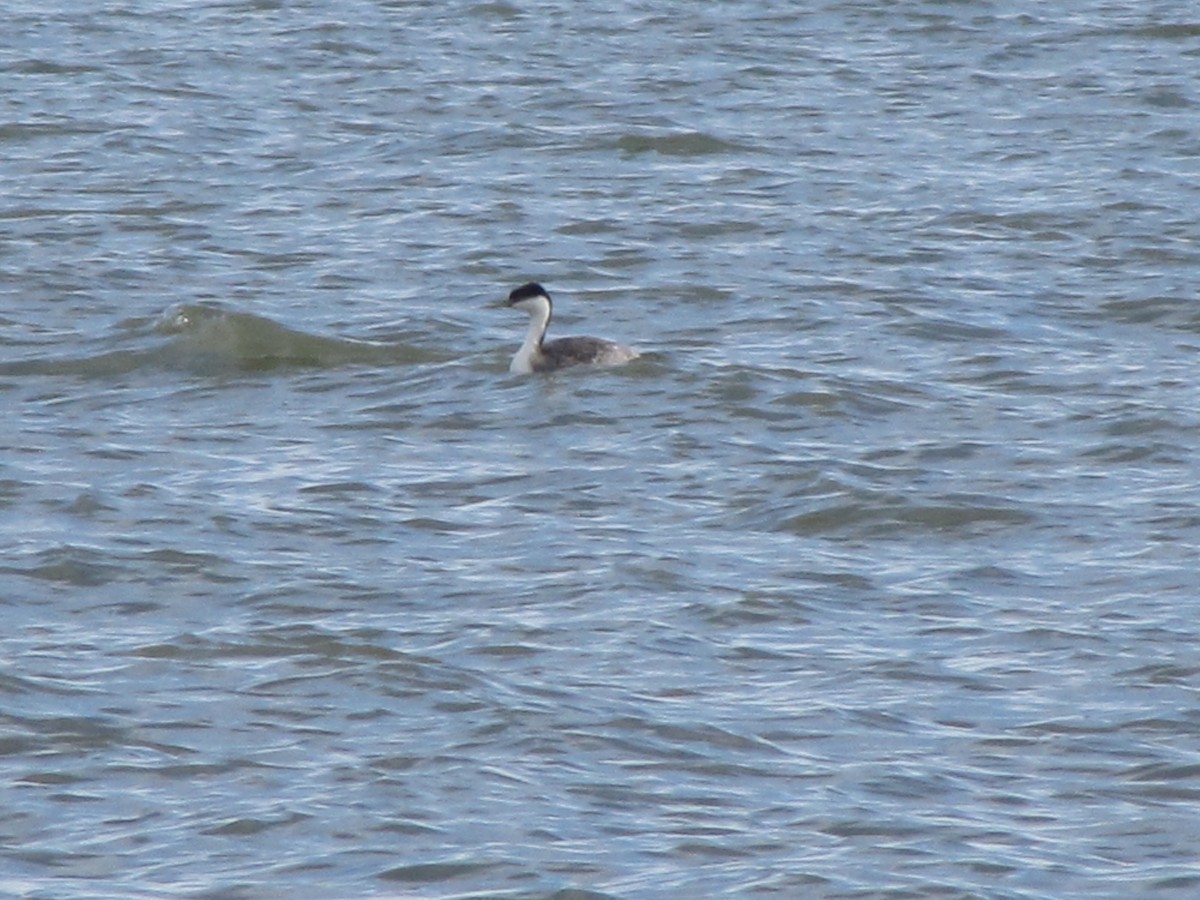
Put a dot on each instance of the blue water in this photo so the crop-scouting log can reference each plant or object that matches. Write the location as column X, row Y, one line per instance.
column 872, row 577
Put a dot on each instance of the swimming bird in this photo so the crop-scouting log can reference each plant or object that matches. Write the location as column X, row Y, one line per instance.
column 540, row 355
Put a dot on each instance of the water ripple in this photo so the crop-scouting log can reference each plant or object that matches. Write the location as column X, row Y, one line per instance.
column 873, row 575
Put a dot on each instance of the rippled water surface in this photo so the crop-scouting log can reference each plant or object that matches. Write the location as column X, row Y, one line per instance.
column 874, row 576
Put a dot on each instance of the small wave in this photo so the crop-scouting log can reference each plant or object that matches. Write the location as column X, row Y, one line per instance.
column 867, row 514
column 690, row 143
column 209, row 340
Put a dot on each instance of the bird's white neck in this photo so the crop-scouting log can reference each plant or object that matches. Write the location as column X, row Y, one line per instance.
column 531, row 348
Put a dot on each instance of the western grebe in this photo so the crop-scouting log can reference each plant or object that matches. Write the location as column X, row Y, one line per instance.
column 540, row 355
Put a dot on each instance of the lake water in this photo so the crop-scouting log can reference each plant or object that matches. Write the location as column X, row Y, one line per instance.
column 876, row 575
